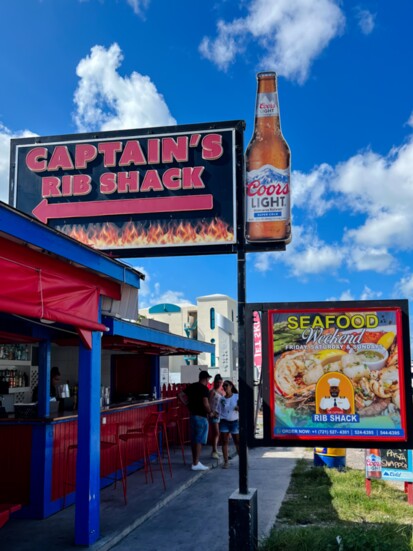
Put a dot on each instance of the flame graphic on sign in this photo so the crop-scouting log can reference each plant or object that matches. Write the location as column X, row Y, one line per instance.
column 135, row 235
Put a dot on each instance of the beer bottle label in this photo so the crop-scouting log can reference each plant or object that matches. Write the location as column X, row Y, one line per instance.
column 268, row 194
column 267, row 105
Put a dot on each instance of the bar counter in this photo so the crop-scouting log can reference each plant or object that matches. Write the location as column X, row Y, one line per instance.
column 70, row 415
column 45, row 450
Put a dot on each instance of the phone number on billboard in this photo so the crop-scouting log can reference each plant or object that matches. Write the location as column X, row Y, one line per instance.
column 340, row 432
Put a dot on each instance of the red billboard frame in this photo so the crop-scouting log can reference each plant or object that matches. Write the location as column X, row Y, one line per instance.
column 321, row 437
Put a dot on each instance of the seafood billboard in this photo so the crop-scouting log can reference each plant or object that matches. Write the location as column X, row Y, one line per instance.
column 337, row 374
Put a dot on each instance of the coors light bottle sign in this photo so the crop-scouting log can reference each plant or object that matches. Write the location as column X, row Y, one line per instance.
column 268, row 210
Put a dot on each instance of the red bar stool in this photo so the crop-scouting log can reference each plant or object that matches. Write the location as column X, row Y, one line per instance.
column 173, row 428
column 163, row 431
column 148, row 435
column 183, row 420
column 6, row 509
column 109, row 442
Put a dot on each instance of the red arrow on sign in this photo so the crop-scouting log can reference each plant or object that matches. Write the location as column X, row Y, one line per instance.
column 44, row 211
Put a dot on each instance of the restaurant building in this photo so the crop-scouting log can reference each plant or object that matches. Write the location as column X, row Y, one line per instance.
column 63, row 304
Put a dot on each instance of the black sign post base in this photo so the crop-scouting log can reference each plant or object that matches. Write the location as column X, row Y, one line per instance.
column 243, row 525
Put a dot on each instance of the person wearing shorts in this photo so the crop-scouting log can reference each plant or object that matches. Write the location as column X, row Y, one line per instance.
column 215, row 394
column 229, row 419
column 198, row 404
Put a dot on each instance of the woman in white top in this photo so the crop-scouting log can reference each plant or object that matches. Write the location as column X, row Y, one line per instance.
column 229, row 419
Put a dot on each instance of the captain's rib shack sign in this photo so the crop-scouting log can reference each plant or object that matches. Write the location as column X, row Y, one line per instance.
column 134, row 190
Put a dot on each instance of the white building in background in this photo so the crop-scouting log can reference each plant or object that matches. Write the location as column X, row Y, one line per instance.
column 212, row 319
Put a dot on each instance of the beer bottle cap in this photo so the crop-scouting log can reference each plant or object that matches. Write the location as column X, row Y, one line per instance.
column 266, row 74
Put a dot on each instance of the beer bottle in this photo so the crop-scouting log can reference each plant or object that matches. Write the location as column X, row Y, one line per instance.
column 373, row 463
column 268, row 211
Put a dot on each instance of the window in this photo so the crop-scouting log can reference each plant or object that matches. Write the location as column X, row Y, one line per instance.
column 213, row 357
column 212, row 318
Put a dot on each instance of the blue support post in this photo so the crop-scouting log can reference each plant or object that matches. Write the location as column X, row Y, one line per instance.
column 87, row 521
column 44, row 379
column 41, row 471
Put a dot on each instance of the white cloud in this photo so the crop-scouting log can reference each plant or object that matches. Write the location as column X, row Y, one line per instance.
column 310, row 190
column 291, row 33
column 306, row 255
column 223, row 49
column 370, row 258
column 5, row 136
column 410, row 120
column 369, row 294
column 346, row 295
column 315, row 259
column 138, row 5
column 404, row 287
column 379, row 188
column 366, row 21
column 107, row 101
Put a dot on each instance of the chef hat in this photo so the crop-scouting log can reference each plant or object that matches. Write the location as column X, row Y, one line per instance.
column 334, row 382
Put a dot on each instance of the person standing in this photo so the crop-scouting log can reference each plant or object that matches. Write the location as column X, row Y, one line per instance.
column 54, row 381
column 198, row 404
column 229, row 423
column 215, row 395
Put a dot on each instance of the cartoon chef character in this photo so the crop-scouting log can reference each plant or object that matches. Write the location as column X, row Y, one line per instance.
column 334, row 403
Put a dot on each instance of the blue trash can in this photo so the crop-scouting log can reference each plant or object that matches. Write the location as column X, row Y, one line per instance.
column 330, row 457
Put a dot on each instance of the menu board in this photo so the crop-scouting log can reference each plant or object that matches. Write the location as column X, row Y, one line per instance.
column 337, row 374
column 395, row 459
column 397, row 465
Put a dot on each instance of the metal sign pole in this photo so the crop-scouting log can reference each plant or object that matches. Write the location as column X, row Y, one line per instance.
column 243, row 508
column 243, row 387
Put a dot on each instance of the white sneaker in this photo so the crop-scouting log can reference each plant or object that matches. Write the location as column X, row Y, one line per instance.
column 199, row 467
column 215, row 455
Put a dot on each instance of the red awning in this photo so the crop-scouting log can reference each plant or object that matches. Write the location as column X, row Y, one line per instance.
column 34, row 285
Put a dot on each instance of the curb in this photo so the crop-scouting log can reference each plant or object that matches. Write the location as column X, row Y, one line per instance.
column 108, row 542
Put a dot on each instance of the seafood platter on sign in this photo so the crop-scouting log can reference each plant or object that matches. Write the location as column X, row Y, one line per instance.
column 337, row 373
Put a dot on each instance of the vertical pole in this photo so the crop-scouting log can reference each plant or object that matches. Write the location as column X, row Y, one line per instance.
column 43, row 389
column 42, row 435
column 242, row 504
column 410, row 493
column 87, row 521
column 368, row 487
column 243, row 387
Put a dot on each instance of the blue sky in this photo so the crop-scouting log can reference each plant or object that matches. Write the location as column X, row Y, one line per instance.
column 345, row 90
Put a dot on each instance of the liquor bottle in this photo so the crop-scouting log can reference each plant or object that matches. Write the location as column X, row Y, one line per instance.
column 267, row 159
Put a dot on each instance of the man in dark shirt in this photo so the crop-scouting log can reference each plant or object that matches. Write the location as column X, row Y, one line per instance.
column 198, row 404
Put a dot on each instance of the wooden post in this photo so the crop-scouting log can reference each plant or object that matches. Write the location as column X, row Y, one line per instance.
column 368, row 486
column 409, row 492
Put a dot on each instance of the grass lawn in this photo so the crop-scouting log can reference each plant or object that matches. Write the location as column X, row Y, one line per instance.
column 327, row 509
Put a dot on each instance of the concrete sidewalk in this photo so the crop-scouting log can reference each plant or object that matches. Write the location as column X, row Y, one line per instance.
column 191, row 514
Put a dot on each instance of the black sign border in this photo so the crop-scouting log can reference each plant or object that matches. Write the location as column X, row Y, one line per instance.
column 268, row 440
column 238, row 126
